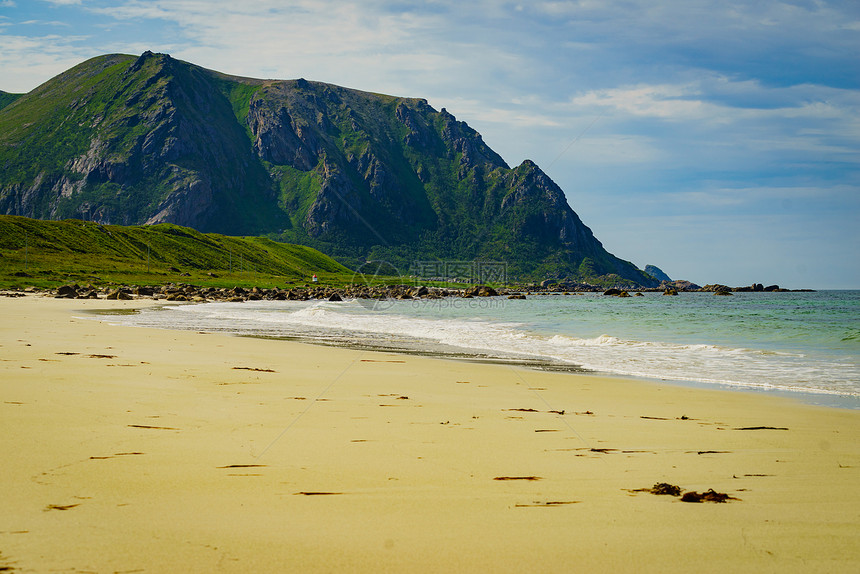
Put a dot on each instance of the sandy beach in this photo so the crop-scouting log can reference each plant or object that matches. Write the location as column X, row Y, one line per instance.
column 139, row 450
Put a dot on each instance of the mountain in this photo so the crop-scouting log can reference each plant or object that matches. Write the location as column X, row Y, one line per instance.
column 151, row 139
column 656, row 273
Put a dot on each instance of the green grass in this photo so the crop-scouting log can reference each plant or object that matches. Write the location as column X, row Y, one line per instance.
column 51, row 253
column 297, row 190
column 6, row 98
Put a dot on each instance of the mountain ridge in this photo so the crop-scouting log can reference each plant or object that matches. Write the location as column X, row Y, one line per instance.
column 358, row 175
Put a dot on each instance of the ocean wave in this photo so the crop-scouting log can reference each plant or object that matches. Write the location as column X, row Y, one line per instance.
column 350, row 322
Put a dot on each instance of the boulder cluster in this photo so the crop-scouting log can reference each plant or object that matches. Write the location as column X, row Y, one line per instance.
column 718, row 289
column 185, row 292
column 672, row 288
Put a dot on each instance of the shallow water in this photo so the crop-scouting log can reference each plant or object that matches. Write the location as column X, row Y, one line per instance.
column 797, row 343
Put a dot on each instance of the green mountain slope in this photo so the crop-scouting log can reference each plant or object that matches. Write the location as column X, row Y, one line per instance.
column 126, row 140
column 6, row 98
column 52, row 252
column 359, row 175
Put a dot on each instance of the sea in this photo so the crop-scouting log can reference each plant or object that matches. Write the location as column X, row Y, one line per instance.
column 804, row 345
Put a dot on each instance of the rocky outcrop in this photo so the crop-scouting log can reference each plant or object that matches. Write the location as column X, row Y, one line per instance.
column 680, row 285
column 337, row 203
column 547, row 213
column 713, row 288
column 418, row 134
column 481, row 291
column 279, row 138
column 462, row 140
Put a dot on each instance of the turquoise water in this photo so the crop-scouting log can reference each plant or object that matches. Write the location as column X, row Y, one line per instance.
column 799, row 343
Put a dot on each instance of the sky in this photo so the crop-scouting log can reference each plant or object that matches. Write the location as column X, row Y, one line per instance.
column 716, row 139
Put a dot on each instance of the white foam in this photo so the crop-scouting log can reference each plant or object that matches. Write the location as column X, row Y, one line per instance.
column 752, row 368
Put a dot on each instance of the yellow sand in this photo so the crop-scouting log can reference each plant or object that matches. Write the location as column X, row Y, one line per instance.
column 124, row 457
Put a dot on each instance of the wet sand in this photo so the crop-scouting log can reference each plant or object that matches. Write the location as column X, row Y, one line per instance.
column 140, row 450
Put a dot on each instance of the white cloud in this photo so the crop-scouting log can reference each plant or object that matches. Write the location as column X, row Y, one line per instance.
column 669, row 102
column 728, row 121
column 327, row 41
column 708, row 96
column 519, row 115
column 23, row 58
column 720, row 197
column 45, row 23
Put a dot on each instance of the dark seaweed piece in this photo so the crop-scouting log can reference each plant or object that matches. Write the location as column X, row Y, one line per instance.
column 254, row 369
column 666, row 488
column 547, row 503
column 517, row 478
column 5, row 565
column 318, row 493
column 761, row 428
column 662, row 488
column 709, row 496
column 60, row 506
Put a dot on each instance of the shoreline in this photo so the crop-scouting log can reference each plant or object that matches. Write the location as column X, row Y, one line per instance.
column 819, row 397
column 143, row 449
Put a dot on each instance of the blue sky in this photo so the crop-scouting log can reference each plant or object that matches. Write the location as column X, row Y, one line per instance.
column 719, row 140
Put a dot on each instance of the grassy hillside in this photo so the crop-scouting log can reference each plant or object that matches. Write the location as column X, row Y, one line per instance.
column 6, row 98
column 50, row 253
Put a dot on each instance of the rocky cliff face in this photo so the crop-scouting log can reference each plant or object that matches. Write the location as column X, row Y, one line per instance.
column 151, row 139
